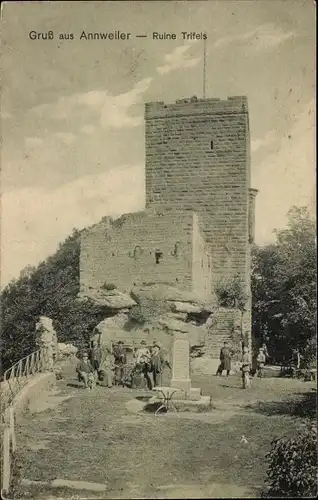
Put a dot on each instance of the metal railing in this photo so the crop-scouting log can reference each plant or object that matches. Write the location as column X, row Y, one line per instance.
column 16, row 377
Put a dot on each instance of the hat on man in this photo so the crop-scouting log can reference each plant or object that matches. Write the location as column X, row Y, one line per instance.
column 120, row 342
column 143, row 342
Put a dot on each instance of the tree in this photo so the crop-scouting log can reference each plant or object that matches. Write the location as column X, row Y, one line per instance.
column 50, row 290
column 284, row 289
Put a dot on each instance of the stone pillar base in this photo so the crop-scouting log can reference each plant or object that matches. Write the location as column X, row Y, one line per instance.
column 184, row 384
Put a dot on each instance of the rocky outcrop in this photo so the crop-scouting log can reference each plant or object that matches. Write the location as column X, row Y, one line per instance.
column 185, row 307
column 108, row 329
column 166, row 293
column 116, row 322
column 158, row 311
column 45, row 334
column 46, row 339
column 66, row 349
column 110, row 299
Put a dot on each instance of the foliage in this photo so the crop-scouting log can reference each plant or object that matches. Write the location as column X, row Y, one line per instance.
column 197, row 351
column 108, row 286
column 50, row 290
column 236, row 344
column 284, row 290
column 231, row 293
column 136, row 314
column 292, row 470
column 147, row 309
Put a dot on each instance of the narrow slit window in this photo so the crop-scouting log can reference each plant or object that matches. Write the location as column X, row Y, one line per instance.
column 211, row 145
column 158, row 256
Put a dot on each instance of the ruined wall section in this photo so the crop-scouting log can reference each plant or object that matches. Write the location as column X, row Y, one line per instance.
column 123, row 251
column 198, row 157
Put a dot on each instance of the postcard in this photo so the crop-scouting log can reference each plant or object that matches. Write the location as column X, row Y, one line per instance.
column 158, row 249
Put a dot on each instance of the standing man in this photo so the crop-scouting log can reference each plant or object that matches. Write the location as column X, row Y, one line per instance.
column 264, row 347
column 225, row 360
column 95, row 356
column 246, row 367
column 120, row 359
column 261, row 359
column 157, row 363
column 143, row 359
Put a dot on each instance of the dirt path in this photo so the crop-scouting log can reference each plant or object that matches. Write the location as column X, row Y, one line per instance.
column 74, row 439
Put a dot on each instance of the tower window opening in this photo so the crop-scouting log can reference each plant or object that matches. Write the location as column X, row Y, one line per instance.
column 211, row 145
column 158, row 256
column 176, row 251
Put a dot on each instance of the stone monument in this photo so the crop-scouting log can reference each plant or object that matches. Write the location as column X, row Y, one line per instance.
column 182, row 395
column 181, row 363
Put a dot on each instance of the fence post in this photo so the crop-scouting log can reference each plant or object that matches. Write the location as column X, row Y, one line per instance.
column 32, row 364
column 6, row 461
column 12, row 429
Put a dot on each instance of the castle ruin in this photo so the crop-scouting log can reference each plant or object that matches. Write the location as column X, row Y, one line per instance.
column 198, row 224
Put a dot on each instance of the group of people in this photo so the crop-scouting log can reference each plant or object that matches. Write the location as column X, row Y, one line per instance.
column 246, row 363
column 149, row 366
column 110, row 366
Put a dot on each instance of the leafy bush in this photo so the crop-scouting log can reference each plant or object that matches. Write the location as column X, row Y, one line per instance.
column 197, row 351
column 136, row 314
column 108, row 286
column 292, row 468
column 231, row 293
column 147, row 310
column 284, row 290
column 236, row 344
column 310, row 353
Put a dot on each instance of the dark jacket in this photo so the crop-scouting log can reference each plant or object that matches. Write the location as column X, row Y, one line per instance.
column 84, row 367
column 246, row 362
column 225, row 358
column 157, row 361
column 120, row 356
column 95, row 354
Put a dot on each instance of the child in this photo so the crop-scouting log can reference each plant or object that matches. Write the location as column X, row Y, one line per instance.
column 85, row 371
column 246, row 366
column 261, row 359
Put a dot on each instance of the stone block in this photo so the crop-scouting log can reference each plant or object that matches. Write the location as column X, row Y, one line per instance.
column 181, row 383
column 185, row 307
column 201, row 405
column 194, row 394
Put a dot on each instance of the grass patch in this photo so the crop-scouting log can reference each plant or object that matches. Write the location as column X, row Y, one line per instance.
column 91, row 440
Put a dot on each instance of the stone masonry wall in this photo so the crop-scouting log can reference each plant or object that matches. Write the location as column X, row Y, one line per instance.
column 122, row 252
column 201, row 283
column 198, row 157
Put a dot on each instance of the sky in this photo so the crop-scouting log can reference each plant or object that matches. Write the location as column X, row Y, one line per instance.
column 72, row 111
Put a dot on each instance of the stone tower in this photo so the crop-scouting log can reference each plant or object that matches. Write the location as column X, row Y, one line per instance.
column 198, row 158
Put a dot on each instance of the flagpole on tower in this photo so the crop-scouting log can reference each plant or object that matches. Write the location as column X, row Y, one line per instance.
column 204, row 67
